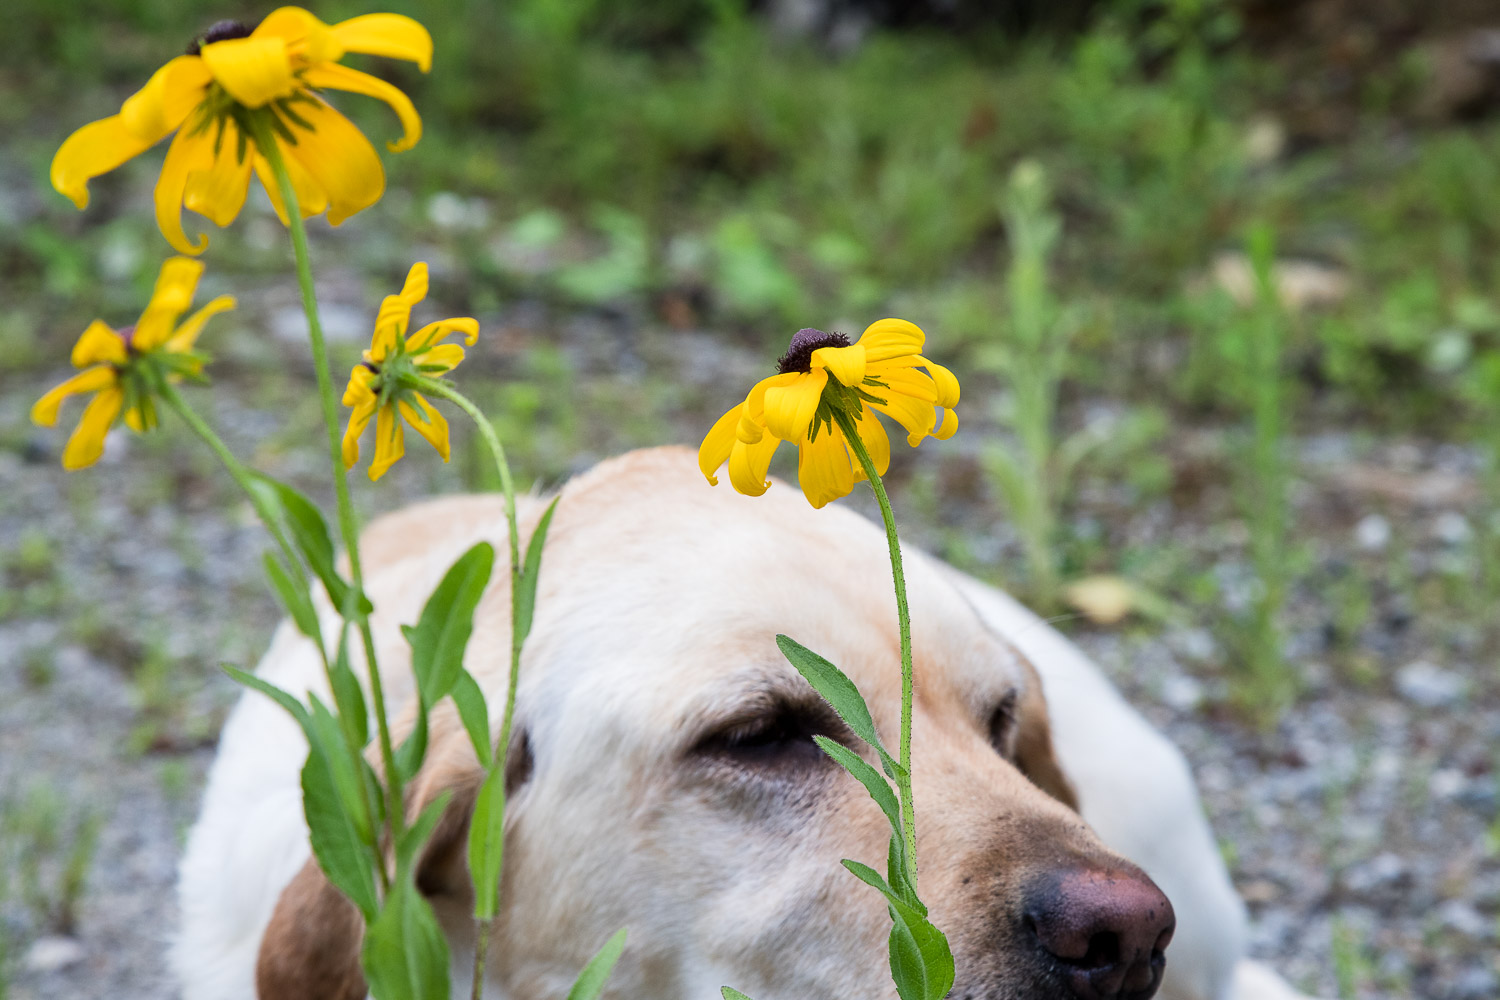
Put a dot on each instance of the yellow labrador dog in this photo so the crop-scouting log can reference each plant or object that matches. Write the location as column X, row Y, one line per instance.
column 663, row 775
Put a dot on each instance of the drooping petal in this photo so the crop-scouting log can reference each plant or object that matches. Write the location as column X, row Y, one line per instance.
column 339, row 159
column 439, row 359
column 911, row 382
column 434, row 332
column 390, row 35
column 359, row 419
column 310, row 197
column 255, row 71
column 755, row 401
column 717, row 444
column 359, row 391
column 847, row 364
column 823, row 469
column 189, row 152
column 944, row 381
column 99, row 345
column 389, row 445
column 429, row 423
column 890, row 338
column 87, row 442
column 917, row 416
column 219, row 192
column 414, row 289
column 333, row 76
column 95, row 149
column 874, row 438
column 790, row 408
column 146, row 118
column 45, row 411
column 171, row 298
column 749, row 463
column 186, row 335
column 305, row 36
column 948, row 427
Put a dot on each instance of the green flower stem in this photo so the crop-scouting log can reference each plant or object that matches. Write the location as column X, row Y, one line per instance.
column 241, row 476
column 903, row 615
column 443, row 390
column 265, row 141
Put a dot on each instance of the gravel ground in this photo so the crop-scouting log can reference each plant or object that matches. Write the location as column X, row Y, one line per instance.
column 1358, row 827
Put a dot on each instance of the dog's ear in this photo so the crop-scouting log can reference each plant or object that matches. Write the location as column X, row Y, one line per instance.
column 311, row 947
column 1035, row 755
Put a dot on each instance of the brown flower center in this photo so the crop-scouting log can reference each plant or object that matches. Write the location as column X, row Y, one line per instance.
column 798, row 356
column 219, row 31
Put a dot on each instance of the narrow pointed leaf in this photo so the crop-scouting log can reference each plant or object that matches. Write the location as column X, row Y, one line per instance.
column 349, row 697
column 405, row 955
column 344, row 857
column 474, row 713
column 447, row 621
column 874, row 783
column 285, row 699
column 839, row 691
column 594, row 975
column 487, row 842
column 525, row 601
column 292, row 590
column 730, row 993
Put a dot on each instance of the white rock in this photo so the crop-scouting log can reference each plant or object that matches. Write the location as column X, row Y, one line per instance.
column 52, row 954
column 1181, row 693
column 1462, row 917
column 1451, row 528
column 1372, row 533
column 1429, row 685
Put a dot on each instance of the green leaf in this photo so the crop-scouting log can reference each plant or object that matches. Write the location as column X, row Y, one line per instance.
column 867, row 776
column 525, row 602
column 349, row 697
column 292, row 589
column 443, row 630
column 840, row 692
column 405, row 955
column 344, row 857
column 730, row 993
column 416, row 835
column 327, row 737
column 594, row 975
column 474, row 713
column 412, row 749
column 921, row 961
column 310, row 532
column 283, row 698
column 487, row 842
column 895, row 866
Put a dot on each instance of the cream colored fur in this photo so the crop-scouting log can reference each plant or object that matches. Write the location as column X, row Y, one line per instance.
column 699, row 579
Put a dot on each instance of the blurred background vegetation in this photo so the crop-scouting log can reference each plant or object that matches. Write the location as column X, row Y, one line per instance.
column 1220, row 280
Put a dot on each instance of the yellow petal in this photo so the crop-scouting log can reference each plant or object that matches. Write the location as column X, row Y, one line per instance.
column 46, row 409
column 911, row 382
column 823, row 469
column 846, row 363
column 144, row 120
column 87, row 442
column 789, row 408
column 359, row 419
column 874, row 438
column 891, row 338
column 219, row 192
column 429, row 423
column 717, row 443
column 305, row 36
column 948, row 427
column 414, row 289
column 389, row 446
column 749, row 463
column 339, row 159
column 434, row 332
column 916, row 416
column 310, row 198
column 335, row 77
column 188, row 153
column 171, row 298
column 944, row 381
column 255, row 70
column 358, row 391
column 389, row 35
column 95, row 149
column 439, row 359
column 186, row 335
column 99, row 345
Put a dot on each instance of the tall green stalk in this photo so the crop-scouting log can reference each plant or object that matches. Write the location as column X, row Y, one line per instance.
column 903, row 615
column 265, row 141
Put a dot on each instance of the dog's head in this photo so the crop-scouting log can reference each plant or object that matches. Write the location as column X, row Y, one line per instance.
column 663, row 775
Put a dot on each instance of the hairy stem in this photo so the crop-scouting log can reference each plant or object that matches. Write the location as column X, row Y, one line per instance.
column 903, row 615
column 265, row 141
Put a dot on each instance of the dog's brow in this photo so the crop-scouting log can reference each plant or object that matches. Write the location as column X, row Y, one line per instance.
column 750, row 697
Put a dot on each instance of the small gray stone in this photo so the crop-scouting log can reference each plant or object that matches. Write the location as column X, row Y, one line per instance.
column 1451, row 528
column 1372, row 533
column 1426, row 684
column 1465, row 919
column 1475, row 983
column 1181, row 693
column 52, row 954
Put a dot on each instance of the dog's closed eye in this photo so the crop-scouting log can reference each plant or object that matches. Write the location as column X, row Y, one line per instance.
column 776, row 735
column 1002, row 725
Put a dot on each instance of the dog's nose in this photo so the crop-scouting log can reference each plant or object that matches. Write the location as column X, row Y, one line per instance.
column 1106, row 929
